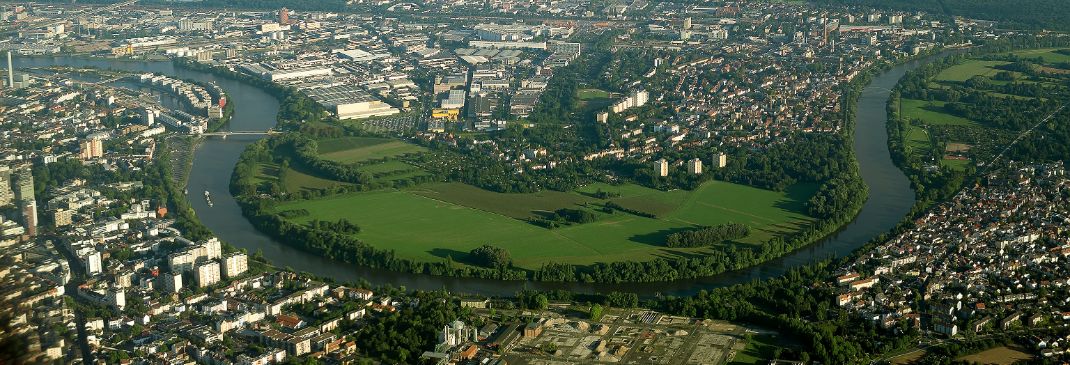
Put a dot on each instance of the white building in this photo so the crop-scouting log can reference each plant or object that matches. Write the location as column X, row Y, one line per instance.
column 634, row 100
column 172, row 282
column 455, row 334
column 721, row 160
column 350, row 102
column 662, row 167
column 117, row 298
column 453, row 100
column 92, row 263
column 235, row 264
column 206, row 274
column 694, row 166
column 184, row 260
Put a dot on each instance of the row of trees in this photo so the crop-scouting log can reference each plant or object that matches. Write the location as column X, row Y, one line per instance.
column 707, row 235
column 341, row 226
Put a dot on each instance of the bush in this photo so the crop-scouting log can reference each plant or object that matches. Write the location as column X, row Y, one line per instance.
column 490, row 256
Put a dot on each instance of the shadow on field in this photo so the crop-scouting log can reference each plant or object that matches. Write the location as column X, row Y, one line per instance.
column 657, row 238
column 457, row 256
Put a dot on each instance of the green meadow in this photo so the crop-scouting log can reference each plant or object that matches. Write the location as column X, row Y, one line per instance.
column 360, row 149
column 435, row 221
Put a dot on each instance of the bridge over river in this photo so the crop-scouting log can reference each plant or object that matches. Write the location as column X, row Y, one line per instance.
column 225, row 134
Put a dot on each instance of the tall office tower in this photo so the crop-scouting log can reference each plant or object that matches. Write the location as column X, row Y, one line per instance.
column 29, row 217
column 24, row 196
column 10, row 72
column 23, row 184
column 7, row 196
column 148, row 116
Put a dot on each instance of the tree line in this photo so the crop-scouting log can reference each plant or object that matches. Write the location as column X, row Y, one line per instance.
column 707, row 235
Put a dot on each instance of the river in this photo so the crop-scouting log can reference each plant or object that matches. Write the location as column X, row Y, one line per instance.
column 890, row 195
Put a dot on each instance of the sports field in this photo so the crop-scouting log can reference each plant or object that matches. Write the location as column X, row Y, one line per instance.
column 588, row 94
column 360, row 149
column 434, row 221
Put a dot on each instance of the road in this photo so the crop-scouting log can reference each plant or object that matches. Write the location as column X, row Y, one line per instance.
column 77, row 278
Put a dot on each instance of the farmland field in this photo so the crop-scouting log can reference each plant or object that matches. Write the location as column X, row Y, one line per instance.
column 999, row 355
column 360, row 149
column 435, row 221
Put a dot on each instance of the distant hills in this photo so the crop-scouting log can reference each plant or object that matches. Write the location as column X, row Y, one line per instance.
column 1023, row 14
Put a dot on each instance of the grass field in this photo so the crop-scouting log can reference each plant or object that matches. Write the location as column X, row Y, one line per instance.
column 517, row 206
column 921, row 109
column 293, row 180
column 359, row 149
column 1002, row 355
column 393, row 170
column 1048, row 54
column 968, row 70
column 916, row 140
column 432, row 222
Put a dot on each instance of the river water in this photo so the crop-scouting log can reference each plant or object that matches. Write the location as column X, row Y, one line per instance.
column 890, row 195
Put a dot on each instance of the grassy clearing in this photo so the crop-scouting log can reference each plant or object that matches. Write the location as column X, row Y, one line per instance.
column 927, row 112
column 1002, row 355
column 435, row 221
column 969, row 69
column 359, row 149
column 759, row 350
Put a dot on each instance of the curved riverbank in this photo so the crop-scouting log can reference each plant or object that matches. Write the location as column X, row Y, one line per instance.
column 890, row 196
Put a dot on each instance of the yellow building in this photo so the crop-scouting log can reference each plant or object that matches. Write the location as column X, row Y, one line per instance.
column 449, row 114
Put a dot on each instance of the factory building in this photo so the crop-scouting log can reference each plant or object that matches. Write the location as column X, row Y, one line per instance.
column 350, row 102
